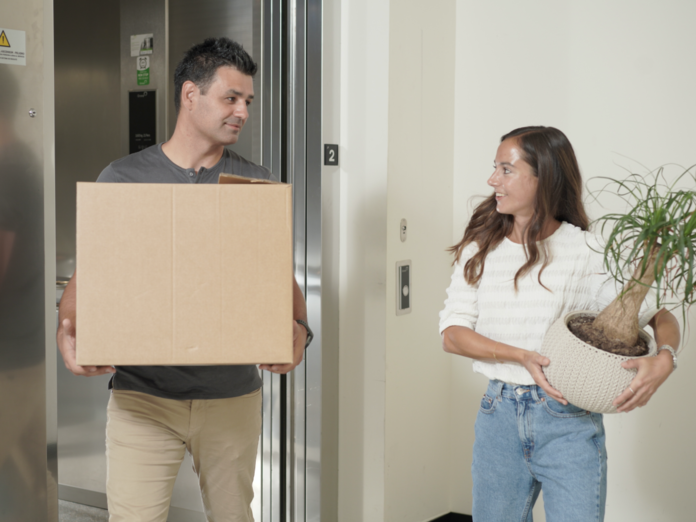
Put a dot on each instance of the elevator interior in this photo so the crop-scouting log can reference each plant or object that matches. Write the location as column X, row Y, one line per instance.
column 99, row 76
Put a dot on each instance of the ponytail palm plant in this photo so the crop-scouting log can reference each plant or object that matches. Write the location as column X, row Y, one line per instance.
column 652, row 245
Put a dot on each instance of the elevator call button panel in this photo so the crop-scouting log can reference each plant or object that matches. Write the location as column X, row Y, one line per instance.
column 403, row 287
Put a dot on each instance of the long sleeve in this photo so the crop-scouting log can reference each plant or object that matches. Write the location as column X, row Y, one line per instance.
column 461, row 305
column 574, row 279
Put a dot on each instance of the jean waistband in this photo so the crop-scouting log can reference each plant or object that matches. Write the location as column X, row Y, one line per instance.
column 498, row 388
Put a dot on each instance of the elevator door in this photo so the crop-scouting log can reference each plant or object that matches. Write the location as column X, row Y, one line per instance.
column 93, row 131
column 27, row 436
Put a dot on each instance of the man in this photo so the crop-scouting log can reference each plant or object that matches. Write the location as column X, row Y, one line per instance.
column 156, row 413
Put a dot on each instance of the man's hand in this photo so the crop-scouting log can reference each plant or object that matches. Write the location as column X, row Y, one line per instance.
column 66, row 345
column 299, row 340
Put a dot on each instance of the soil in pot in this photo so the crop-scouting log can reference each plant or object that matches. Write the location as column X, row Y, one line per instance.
column 581, row 327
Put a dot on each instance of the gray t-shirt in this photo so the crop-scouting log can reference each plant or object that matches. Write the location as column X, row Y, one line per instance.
column 183, row 382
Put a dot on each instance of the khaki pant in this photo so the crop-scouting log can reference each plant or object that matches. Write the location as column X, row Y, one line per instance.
column 146, row 440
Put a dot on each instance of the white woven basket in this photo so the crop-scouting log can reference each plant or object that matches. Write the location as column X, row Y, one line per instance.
column 588, row 377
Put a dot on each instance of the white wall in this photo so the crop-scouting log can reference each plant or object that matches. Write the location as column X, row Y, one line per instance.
column 363, row 111
column 421, row 155
column 396, row 135
column 618, row 78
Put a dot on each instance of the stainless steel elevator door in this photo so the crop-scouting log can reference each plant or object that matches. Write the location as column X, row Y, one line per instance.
column 27, row 473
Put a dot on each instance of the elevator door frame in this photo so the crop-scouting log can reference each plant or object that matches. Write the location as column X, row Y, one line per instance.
column 289, row 470
column 290, row 446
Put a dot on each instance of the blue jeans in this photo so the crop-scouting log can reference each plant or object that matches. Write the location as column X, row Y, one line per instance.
column 526, row 441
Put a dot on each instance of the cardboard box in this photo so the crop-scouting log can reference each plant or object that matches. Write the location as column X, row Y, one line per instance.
column 184, row 274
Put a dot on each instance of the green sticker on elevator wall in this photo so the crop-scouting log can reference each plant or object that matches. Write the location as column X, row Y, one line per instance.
column 143, row 66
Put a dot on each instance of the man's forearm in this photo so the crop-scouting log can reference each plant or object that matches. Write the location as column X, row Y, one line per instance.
column 68, row 302
column 299, row 307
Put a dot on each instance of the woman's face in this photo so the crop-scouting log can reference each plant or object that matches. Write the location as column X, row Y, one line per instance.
column 514, row 181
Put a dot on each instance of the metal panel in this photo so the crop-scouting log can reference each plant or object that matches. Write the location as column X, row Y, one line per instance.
column 191, row 23
column 87, row 117
column 144, row 17
column 86, row 76
column 314, row 359
column 27, row 441
column 302, row 155
column 296, row 166
column 272, row 132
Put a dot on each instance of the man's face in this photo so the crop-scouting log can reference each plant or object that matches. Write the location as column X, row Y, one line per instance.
column 222, row 111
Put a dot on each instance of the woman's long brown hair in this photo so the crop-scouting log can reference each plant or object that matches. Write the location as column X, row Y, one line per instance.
column 559, row 194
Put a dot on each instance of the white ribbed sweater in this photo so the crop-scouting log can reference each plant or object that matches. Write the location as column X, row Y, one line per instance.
column 492, row 308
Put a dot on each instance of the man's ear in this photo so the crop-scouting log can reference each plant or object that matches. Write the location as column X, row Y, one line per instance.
column 189, row 95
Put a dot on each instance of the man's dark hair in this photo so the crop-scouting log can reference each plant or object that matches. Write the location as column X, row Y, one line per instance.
column 202, row 61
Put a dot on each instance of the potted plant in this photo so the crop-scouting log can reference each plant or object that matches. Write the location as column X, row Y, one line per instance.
column 651, row 245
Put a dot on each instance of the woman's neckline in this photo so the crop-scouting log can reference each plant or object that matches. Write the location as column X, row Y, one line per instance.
column 555, row 233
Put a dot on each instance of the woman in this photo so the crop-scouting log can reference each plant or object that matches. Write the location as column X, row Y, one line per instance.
column 526, row 260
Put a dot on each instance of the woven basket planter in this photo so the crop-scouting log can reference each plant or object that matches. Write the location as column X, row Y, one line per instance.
column 588, row 377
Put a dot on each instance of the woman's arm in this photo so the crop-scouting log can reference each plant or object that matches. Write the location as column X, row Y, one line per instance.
column 651, row 371
column 464, row 341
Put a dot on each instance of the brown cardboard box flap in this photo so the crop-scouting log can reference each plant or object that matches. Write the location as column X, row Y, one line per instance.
column 233, row 179
column 184, row 274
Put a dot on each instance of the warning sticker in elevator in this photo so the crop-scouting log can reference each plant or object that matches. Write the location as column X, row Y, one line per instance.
column 13, row 47
column 141, row 44
column 143, row 66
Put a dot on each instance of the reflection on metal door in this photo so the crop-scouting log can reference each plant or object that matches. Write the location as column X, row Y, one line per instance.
column 291, row 129
column 27, row 396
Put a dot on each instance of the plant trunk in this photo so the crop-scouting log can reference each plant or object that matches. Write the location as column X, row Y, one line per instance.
column 619, row 320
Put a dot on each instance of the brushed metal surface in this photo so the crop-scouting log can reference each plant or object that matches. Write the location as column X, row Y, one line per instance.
column 27, row 465
column 272, row 458
column 302, row 119
column 297, row 172
column 191, row 23
column 144, row 17
column 87, row 86
column 88, row 74
column 314, row 357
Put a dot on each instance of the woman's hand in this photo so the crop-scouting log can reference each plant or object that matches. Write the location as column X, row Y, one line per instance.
column 464, row 341
column 533, row 363
column 652, row 372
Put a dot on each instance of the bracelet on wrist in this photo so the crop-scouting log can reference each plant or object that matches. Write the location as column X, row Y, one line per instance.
column 671, row 351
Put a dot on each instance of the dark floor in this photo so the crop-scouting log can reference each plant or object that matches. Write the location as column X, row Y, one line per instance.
column 69, row 512
column 453, row 517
